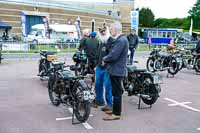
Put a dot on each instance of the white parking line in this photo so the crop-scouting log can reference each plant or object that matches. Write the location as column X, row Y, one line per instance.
column 85, row 124
column 175, row 103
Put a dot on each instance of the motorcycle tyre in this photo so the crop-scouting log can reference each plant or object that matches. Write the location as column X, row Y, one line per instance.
column 50, row 91
column 154, row 93
column 147, row 65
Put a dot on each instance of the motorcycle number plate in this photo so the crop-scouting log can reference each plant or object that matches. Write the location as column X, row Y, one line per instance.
column 86, row 95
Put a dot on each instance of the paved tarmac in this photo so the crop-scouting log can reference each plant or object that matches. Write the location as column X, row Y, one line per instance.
column 25, row 106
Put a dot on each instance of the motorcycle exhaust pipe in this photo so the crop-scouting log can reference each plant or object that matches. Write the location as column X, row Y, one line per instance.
column 143, row 96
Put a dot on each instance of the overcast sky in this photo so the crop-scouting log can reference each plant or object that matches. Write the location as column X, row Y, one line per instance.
column 160, row 8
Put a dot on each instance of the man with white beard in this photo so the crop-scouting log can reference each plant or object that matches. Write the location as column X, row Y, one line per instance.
column 102, row 76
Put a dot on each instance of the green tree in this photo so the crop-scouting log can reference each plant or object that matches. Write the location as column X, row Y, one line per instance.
column 195, row 14
column 146, row 17
column 182, row 23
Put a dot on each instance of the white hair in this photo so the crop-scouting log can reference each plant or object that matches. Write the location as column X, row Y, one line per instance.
column 86, row 32
column 117, row 26
column 104, row 38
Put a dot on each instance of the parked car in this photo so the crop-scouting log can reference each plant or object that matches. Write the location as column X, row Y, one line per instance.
column 141, row 40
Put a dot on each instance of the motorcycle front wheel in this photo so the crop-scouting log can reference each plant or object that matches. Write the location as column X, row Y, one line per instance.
column 81, row 107
column 150, row 90
column 150, row 65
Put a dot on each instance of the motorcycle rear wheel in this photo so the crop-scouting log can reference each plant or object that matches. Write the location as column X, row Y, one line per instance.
column 150, row 90
column 52, row 94
column 174, row 67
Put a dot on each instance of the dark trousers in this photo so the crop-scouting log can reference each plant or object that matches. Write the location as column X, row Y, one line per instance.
column 117, row 91
column 132, row 50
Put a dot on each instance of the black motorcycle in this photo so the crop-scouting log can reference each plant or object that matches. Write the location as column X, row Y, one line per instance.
column 45, row 63
column 82, row 64
column 160, row 60
column 144, row 84
column 66, row 88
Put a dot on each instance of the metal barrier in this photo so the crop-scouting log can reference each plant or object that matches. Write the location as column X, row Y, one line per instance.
column 23, row 47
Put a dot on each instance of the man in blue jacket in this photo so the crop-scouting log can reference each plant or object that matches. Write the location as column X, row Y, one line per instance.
column 116, row 60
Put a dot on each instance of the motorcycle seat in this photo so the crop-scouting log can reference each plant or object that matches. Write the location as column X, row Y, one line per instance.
column 132, row 68
column 68, row 74
column 56, row 63
column 163, row 54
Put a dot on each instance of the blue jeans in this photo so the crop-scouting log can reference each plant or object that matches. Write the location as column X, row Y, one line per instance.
column 132, row 50
column 103, row 81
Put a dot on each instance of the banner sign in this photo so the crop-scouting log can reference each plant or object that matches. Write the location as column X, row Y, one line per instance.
column 46, row 27
column 135, row 20
column 23, row 24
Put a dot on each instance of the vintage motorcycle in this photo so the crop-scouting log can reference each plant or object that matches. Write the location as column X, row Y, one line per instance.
column 66, row 88
column 161, row 60
column 190, row 59
column 144, row 84
column 45, row 63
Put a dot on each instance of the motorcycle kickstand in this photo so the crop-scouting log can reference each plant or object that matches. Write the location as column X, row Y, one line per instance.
column 139, row 103
column 197, row 73
column 73, row 115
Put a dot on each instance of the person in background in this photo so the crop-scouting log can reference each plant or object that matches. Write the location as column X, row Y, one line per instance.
column 90, row 48
column 86, row 34
column 102, row 75
column 133, row 43
column 149, row 43
column 116, row 61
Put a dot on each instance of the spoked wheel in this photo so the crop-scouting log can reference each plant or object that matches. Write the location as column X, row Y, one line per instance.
column 150, row 65
column 150, row 91
column 82, row 107
column 174, row 67
column 197, row 65
column 54, row 97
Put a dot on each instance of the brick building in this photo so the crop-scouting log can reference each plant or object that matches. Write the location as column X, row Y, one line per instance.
column 58, row 12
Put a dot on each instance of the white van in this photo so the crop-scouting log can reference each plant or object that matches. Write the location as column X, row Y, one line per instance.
column 58, row 33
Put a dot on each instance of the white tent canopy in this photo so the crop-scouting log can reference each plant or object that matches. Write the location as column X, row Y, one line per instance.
column 57, row 27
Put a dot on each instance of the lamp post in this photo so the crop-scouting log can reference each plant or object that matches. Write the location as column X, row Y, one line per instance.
column 93, row 25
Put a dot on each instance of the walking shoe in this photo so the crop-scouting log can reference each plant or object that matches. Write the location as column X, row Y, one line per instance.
column 111, row 117
column 95, row 104
column 109, row 112
column 106, row 108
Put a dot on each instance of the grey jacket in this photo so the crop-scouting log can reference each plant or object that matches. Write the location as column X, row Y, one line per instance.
column 117, row 58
